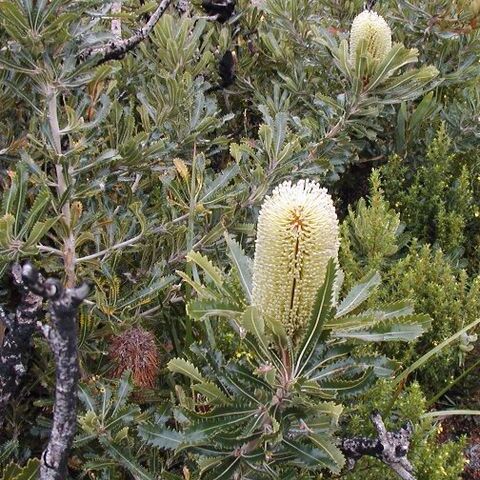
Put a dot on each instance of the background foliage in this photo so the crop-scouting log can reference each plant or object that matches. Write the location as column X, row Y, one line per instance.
column 114, row 172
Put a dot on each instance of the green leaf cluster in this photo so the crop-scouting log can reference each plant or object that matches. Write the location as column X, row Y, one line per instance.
column 277, row 406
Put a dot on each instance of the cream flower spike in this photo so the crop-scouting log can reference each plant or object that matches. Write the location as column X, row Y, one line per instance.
column 372, row 28
column 297, row 235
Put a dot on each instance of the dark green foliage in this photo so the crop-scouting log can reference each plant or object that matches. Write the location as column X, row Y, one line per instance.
column 422, row 273
column 371, row 234
column 447, row 294
column 431, row 459
column 436, row 198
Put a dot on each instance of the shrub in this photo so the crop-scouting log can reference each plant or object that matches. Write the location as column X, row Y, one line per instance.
column 432, row 460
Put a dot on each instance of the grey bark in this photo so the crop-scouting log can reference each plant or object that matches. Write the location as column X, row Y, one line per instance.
column 61, row 335
column 116, row 22
column 117, row 49
column 389, row 447
column 182, row 6
column 15, row 352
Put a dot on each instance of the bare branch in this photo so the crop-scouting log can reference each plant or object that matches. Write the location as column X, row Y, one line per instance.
column 389, row 447
column 62, row 338
column 115, row 9
column 118, row 48
column 106, row 251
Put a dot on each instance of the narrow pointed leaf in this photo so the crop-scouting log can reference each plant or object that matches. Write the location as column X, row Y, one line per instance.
column 160, row 436
column 358, row 294
column 212, row 273
column 212, row 393
column 243, row 266
column 322, row 312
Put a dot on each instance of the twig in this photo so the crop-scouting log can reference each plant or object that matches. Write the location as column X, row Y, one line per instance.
column 116, row 9
column 16, row 346
column 101, row 253
column 118, row 48
column 62, row 338
column 68, row 251
column 389, row 447
column 44, row 248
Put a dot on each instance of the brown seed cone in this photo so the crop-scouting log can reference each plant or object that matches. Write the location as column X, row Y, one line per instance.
column 135, row 350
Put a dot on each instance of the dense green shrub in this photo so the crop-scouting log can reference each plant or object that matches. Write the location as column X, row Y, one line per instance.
column 432, row 460
column 374, row 238
column 435, row 196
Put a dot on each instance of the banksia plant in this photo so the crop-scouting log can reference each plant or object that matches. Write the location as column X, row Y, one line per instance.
column 297, row 235
column 135, row 350
column 371, row 28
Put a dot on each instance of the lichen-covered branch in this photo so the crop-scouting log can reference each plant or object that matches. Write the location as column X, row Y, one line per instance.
column 116, row 9
column 116, row 49
column 16, row 343
column 389, row 447
column 62, row 338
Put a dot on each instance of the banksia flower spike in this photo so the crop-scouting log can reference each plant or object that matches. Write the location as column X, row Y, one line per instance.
column 370, row 27
column 135, row 350
column 297, row 235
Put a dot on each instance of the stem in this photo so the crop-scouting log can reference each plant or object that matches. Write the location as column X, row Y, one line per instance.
column 190, row 236
column 69, row 255
column 108, row 250
column 452, row 383
column 62, row 338
column 116, row 22
column 117, row 49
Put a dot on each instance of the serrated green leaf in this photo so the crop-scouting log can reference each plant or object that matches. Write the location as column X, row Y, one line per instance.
column 122, row 392
column 348, row 388
column 309, row 456
column 243, row 266
column 160, row 436
column 212, row 393
column 148, row 292
column 202, row 291
column 213, row 273
column 7, row 223
column 359, row 293
column 126, row 459
column 253, row 323
column 37, row 210
column 184, row 367
column 39, row 230
column 28, row 472
column 397, row 57
column 327, row 444
column 219, row 421
column 389, row 331
column 220, row 182
column 201, row 309
column 223, row 471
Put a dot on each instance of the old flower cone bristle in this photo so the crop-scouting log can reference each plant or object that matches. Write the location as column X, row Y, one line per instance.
column 135, row 350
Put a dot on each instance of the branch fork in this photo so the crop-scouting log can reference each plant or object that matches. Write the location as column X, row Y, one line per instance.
column 389, row 447
column 61, row 334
